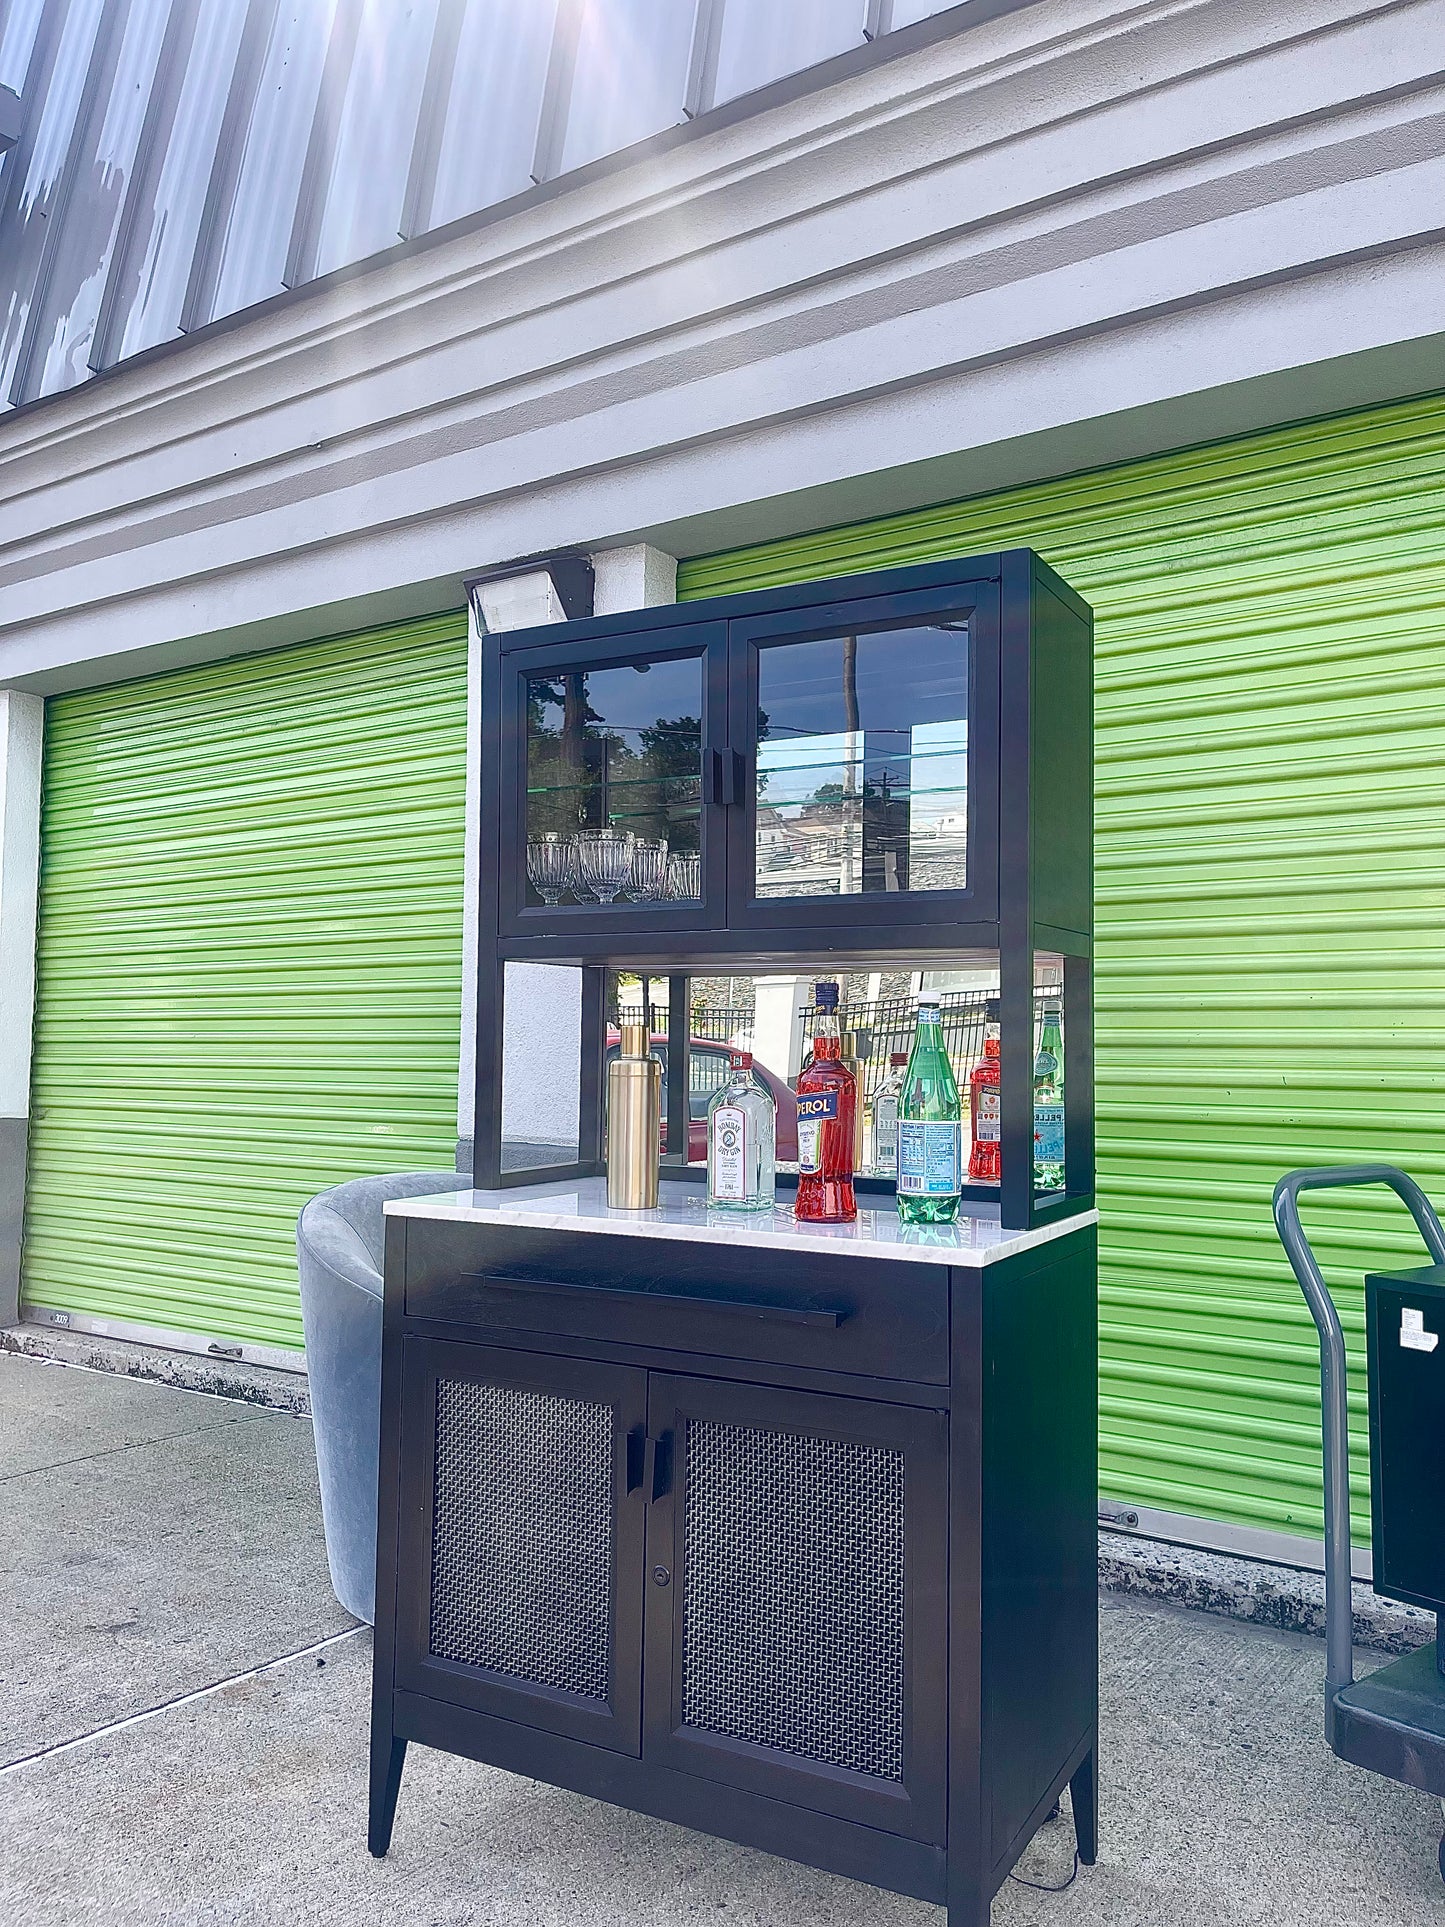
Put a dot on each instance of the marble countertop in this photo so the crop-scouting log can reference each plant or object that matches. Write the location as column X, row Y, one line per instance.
column 572, row 1204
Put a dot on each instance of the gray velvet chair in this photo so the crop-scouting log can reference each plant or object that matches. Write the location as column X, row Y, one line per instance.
column 339, row 1255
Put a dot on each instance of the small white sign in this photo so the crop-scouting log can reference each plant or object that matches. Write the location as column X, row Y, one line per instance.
column 1413, row 1335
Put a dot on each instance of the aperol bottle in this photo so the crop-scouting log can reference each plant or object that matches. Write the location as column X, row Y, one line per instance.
column 983, row 1094
column 827, row 1102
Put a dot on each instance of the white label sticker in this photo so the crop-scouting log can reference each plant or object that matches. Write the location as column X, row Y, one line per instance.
column 729, row 1153
column 1413, row 1335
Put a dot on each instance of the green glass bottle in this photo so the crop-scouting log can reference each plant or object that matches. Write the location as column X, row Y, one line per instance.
column 1049, row 1104
column 930, row 1126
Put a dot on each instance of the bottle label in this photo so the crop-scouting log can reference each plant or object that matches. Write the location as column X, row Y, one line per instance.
column 985, row 1116
column 1049, row 1132
column 729, row 1149
column 813, row 1112
column 885, row 1140
column 930, row 1162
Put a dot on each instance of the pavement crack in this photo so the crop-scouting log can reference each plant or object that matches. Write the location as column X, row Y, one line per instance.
column 179, row 1699
column 128, row 1445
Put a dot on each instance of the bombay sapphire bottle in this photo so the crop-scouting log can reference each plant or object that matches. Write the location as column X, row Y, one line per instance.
column 930, row 1126
column 742, row 1122
column 827, row 1098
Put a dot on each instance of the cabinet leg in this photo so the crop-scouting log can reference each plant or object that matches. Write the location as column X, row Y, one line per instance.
column 387, row 1757
column 974, row 1911
column 1084, row 1797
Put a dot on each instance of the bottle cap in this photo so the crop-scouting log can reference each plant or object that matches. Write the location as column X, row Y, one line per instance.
column 825, row 996
column 928, row 997
column 898, row 1057
column 741, row 1060
column 990, row 1011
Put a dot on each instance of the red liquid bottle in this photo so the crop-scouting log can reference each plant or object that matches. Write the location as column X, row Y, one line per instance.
column 827, row 1101
column 983, row 1111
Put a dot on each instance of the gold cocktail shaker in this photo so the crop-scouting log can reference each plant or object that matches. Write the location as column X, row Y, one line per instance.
column 855, row 1064
column 634, row 1123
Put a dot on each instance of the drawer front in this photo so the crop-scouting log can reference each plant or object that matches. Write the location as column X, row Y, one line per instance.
column 830, row 1313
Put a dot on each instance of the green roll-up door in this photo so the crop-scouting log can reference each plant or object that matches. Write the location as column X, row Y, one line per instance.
column 1271, row 877
column 249, row 969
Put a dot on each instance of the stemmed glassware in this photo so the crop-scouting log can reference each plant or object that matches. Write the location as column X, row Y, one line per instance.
column 604, row 861
column 684, row 876
column 551, row 865
column 647, row 877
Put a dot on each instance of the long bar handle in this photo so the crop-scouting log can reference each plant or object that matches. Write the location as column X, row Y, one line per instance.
column 826, row 1319
column 1339, row 1595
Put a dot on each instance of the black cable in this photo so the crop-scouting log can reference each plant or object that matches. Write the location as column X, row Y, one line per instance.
column 1044, row 1886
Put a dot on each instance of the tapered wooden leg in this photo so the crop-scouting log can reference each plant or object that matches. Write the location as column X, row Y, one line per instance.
column 1084, row 1796
column 388, row 1754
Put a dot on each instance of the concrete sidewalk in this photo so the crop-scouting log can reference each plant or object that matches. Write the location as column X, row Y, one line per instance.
column 159, row 1543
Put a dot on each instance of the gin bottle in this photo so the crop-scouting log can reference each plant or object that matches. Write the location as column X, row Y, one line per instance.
column 742, row 1122
column 983, row 1104
column 930, row 1126
column 885, row 1118
column 827, row 1099
column 1049, row 1105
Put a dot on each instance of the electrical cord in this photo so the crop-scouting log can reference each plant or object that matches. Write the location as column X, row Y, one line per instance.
column 1048, row 1887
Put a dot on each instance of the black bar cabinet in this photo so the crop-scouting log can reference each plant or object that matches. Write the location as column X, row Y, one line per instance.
column 785, row 1532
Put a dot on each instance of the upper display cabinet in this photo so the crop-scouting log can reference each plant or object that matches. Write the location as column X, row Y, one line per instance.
column 859, row 759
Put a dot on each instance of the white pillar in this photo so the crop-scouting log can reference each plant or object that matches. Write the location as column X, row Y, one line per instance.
column 22, row 719
column 543, row 1004
column 777, row 1038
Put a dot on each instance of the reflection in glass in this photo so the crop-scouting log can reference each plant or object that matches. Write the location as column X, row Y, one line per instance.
column 862, row 770
column 762, row 40
column 618, row 750
column 630, row 76
column 153, row 277
column 490, row 137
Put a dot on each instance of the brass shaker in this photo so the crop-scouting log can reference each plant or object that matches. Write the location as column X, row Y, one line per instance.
column 855, row 1064
column 634, row 1123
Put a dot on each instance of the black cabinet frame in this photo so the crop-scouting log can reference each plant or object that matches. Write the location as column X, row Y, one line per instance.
column 1029, row 847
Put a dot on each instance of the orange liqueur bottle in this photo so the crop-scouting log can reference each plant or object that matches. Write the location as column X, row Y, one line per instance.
column 827, row 1102
column 983, row 1159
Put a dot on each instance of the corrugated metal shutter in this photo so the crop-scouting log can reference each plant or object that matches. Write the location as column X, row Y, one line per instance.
column 249, row 969
column 1271, row 708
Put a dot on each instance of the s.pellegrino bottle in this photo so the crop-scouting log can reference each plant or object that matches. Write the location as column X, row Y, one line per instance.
column 741, row 1132
column 885, row 1117
column 930, row 1126
column 1049, row 1104
column 983, row 1103
column 827, row 1098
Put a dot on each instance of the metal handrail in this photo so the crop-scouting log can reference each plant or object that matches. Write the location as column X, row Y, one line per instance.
column 1339, row 1595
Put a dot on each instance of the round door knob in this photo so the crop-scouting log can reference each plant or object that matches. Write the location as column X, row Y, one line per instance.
column 661, row 1576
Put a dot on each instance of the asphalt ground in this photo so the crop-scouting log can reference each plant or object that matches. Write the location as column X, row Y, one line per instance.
column 183, row 1712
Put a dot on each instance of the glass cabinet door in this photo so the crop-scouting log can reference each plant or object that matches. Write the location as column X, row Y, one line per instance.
column 615, row 778
column 868, row 776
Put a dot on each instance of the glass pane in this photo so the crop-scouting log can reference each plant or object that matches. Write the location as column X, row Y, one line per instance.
column 93, row 211
column 614, row 784
column 541, row 1065
column 377, row 128
column 31, row 200
column 863, row 764
column 258, row 234
column 490, row 138
column 631, row 75
column 1048, row 1073
column 158, row 264
column 763, row 41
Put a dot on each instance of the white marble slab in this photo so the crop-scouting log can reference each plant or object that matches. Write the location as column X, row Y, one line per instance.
column 572, row 1204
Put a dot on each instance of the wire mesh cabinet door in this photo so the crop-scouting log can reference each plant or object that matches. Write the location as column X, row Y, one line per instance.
column 796, row 1599
column 520, row 1564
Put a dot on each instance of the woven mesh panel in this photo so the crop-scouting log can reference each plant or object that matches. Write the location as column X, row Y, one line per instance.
column 522, row 1541
column 793, row 1612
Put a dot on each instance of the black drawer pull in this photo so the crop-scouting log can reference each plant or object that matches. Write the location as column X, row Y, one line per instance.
column 752, row 1308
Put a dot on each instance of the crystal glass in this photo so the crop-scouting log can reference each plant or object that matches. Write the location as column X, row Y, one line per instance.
column 551, row 865
column 604, row 860
column 684, row 877
column 647, row 877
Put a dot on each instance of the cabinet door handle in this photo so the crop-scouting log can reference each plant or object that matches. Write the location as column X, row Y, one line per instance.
column 657, row 1472
column 727, row 775
column 827, row 1318
column 716, row 779
column 636, row 1457
column 738, row 785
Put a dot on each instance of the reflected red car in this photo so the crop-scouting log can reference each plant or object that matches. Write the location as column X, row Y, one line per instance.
column 709, row 1062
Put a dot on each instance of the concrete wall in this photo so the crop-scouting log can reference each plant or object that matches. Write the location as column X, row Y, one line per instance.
column 1078, row 232
column 21, row 730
